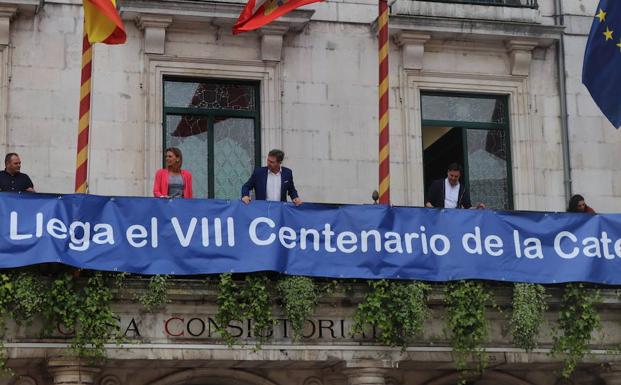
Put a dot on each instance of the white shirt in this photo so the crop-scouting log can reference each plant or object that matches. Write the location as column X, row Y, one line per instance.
column 273, row 185
column 451, row 194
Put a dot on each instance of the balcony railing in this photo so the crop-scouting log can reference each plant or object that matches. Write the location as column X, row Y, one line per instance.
column 500, row 3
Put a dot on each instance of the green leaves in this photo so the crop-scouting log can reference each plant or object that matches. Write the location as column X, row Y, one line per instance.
column 465, row 303
column 529, row 307
column 85, row 310
column 299, row 296
column 156, row 294
column 577, row 321
column 252, row 300
column 397, row 309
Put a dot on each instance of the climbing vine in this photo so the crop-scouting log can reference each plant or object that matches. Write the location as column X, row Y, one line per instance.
column 468, row 328
column 84, row 311
column 529, row 307
column 577, row 321
column 156, row 294
column 299, row 297
column 252, row 300
column 397, row 309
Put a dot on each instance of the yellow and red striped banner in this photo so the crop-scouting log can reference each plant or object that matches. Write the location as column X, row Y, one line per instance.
column 81, row 170
column 384, row 142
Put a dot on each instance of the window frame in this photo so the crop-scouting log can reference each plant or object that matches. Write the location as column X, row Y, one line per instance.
column 211, row 114
column 465, row 125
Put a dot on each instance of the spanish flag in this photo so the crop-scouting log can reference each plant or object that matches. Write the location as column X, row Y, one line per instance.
column 102, row 22
column 257, row 13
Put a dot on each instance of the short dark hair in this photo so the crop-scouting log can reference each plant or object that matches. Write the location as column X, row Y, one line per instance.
column 7, row 157
column 455, row 167
column 278, row 154
column 177, row 153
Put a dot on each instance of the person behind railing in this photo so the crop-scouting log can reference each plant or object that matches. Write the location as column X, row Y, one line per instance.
column 271, row 183
column 449, row 192
column 172, row 181
column 578, row 205
column 11, row 179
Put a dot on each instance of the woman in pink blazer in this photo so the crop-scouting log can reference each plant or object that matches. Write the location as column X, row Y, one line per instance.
column 172, row 181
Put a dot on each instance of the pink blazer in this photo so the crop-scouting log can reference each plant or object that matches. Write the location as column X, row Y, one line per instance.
column 160, row 187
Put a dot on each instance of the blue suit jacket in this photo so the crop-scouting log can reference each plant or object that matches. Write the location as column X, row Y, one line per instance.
column 258, row 182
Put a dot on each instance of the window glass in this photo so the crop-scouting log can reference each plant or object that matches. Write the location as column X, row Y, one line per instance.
column 209, row 95
column 216, row 126
column 463, row 108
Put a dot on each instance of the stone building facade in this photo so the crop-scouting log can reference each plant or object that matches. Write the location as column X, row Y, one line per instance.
column 494, row 86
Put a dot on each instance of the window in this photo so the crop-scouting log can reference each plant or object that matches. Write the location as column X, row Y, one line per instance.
column 472, row 130
column 216, row 124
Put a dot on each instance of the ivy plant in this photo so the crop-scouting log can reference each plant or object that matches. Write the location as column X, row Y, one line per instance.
column 252, row 301
column 577, row 321
column 397, row 309
column 466, row 302
column 228, row 309
column 529, row 307
column 256, row 304
column 97, row 322
column 156, row 294
column 299, row 297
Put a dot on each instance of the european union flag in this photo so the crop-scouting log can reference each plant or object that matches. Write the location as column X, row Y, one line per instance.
column 601, row 71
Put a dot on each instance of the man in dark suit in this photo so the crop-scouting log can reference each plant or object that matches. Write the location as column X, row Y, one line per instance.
column 449, row 192
column 271, row 183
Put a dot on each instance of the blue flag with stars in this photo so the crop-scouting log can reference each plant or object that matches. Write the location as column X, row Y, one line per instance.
column 601, row 72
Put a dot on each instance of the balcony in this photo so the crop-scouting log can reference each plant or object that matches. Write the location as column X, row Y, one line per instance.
column 499, row 3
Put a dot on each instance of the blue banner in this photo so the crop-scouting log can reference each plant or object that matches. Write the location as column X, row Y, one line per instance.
column 195, row 236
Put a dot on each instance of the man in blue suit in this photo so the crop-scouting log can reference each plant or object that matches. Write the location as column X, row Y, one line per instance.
column 271, row 183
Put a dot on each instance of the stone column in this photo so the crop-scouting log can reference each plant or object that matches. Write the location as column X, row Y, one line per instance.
column 71, row 371
column 367, row 372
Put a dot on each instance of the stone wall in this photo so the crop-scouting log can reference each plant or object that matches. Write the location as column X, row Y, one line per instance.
column 321, row 106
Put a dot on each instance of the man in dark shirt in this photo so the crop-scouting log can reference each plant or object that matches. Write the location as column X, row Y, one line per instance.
column 449, row 192
column 11, row 179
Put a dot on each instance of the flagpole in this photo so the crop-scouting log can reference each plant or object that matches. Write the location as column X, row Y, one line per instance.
column 81, row 171
column 384, row 144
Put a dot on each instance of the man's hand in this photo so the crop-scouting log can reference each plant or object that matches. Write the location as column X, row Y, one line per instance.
column 30, row 189
column 297, row 201
column 480, row 206
column 246, row 199
column 429, row 205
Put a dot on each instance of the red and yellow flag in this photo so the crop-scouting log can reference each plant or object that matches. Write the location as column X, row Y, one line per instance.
column 102, row 23
column 257, row 13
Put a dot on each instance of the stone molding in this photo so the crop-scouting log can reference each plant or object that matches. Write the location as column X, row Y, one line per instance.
column 522, row 136
column 367, row 372
column 313, row 381
column 70, row 371
column 109, row 380
column 159, row 66
column 475, row 30
column 271, row 42
column 24, row 380
column 7, row 13
column 224, row 15
column 212, row 377
column 412, row 48
column 154, row 28
column 521, row 54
